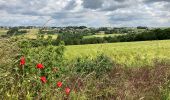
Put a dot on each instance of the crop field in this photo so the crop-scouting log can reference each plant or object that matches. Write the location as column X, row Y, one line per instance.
column 127, row 53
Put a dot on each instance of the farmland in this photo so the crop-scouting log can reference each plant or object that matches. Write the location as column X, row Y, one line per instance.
column 47, row 68
column 84, row 49
column 127, row 53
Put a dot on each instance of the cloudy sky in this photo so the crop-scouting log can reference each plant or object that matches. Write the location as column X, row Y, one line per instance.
column 93, row 13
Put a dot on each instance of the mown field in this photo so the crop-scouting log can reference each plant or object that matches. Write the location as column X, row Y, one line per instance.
column 126, row 53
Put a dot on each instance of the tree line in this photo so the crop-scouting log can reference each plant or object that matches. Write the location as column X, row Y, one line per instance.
column 77, row 39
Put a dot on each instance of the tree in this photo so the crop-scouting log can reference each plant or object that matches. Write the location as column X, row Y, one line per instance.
column 12, row 31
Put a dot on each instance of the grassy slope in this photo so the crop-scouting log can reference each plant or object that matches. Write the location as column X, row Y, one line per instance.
column 127, row 53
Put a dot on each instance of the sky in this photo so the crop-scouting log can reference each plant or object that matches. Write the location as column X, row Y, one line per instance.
column 91, row 13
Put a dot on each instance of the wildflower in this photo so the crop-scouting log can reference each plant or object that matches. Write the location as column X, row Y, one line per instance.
column 59, row 84
column 22, row 61
column 43, row 79
column 67, row 91
column 40, row 66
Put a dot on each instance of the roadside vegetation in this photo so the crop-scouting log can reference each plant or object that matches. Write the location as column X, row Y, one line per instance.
column 47, row 68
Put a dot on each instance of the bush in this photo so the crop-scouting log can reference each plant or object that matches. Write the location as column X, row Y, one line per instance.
column 24, row 80
column 101, row 65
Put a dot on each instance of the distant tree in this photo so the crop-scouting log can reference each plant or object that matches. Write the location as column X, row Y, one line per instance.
column 142, row 27
column 12, row 31
column 82, row 27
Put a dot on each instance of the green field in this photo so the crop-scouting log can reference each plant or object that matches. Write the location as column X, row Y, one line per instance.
column 32, row 34
column 101, row 35
column 127, row 53
column 2, row 32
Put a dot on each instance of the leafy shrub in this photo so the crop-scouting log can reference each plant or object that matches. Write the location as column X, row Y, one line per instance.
column 50, row 56
column 101, row 65
column 42, row 62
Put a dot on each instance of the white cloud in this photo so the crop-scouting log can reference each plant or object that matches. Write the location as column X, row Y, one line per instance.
column 85, row 12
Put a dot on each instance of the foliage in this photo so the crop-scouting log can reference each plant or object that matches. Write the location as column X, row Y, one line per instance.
column 12, row 31
column 156, row 34
column 77, row 37
column 99, row 66
column 74, row 38
column 15, row 31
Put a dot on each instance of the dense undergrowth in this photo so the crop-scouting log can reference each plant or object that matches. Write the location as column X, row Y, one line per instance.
column 97, row 78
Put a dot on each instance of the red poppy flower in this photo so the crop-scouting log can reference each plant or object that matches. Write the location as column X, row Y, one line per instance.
column 67, row 91
column 40, row 66
column 59, row 84
column 22, row 61
column 43, row 79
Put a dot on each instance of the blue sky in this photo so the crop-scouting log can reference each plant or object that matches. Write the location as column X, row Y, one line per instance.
column 92, row 13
